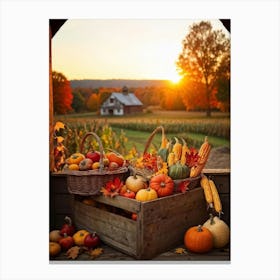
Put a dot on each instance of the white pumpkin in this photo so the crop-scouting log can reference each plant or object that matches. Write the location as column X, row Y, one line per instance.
column 220, row 231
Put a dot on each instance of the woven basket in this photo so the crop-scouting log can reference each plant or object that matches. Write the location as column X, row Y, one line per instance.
column 147, row 173
column 91, row 181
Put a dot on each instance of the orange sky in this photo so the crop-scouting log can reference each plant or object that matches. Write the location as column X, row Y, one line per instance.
column 120, row 48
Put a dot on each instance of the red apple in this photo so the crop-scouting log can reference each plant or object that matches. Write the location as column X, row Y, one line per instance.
column 92, row 240
column 66, row 242
column 94, row 156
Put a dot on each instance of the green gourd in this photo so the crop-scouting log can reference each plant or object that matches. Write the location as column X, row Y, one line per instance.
column 178, row 171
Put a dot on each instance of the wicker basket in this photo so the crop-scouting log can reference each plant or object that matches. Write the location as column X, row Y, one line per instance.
column 91, row 181
column 146, row 173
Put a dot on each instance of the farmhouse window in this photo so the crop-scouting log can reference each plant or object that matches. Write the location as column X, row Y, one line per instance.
column 111, row 100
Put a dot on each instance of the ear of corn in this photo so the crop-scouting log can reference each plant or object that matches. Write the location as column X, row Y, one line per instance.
column 216, row 197
column 204, row 183
column 185, row 150
column 203, row 154
column 177, row 150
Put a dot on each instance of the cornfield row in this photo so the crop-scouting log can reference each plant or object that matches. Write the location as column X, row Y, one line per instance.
column 210, row 128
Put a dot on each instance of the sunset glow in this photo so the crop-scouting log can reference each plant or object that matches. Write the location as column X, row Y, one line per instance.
column 120, row 48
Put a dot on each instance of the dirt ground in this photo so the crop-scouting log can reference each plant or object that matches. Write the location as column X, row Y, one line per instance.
column 219, row 158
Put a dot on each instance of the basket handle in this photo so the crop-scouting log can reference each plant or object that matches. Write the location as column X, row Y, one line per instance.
column 101, row 149
column 149, row 141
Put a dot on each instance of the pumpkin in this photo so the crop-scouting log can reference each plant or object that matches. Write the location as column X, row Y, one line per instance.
column 146, row 195
column 162, row 184
column 113, row 157
column 55, row 236
column 178, row 171
column 73, row 166
column 135, row 183
column 75, row 158
column 54, row 249
column 219, row 230
column 128, row 193
column 85, row 164
column 79, row 237
column 198, row 239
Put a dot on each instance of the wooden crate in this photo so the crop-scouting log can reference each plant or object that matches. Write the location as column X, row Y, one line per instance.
column 160, row 224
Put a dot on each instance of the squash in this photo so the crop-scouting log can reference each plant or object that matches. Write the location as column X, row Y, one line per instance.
column 146, row 195
column 135, row 183
column 198, row 239
column 178, row 171
column 85, row 164
column 162, row 184
column 54, row 249
column 75, row 158
column 219, row 230
column 163, row 153
column 55, row 236
column 177, row 149
column 79, row 237
column 113, row 157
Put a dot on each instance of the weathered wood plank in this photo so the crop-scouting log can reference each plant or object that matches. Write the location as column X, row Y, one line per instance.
column 121, row 202
column 118, row 231
column 166, row 223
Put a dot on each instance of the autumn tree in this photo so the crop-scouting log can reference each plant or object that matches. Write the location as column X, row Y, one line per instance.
column 62, row 94
column 204, row 57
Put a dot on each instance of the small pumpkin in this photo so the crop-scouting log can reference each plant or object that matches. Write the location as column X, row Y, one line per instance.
column 146, row 195
column 135, row 183
column 162, row 184
column 219, row 229
column 85, row 164
column 178, row 171
column 73, row 166
column 79, row 237
column 113, row 157
column 75, row 158
column 198, row 239
column 55, row 236
column 128, row 193
column 54, row 249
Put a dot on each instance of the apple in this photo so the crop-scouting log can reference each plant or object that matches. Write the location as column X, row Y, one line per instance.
column 92, row 240
column 94, row 156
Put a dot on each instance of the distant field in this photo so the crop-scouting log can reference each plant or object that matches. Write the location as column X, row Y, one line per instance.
column 193, row 126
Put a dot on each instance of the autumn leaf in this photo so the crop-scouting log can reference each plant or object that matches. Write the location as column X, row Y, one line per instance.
column 59, row 139
column 58, row 126
column 73, row 252
column 94, row 253
column 180, row 251
column 112, row 188
column 183, row 186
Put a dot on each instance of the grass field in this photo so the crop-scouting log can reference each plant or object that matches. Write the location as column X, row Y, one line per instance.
column 193, row 126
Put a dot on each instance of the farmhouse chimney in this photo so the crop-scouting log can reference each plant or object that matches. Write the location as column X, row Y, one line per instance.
column 125, row 90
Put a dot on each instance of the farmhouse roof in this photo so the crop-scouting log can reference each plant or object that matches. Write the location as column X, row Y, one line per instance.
column 128, row 99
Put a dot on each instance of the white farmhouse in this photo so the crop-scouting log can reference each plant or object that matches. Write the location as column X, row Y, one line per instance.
column 121, row 103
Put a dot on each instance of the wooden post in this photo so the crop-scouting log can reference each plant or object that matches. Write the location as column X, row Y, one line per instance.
column 51, row 124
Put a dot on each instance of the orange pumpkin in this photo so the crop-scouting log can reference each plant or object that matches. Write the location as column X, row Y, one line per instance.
column 198, row 239
column 75, row 158
column 54, row 249
column 55, row 236
column 113, row 157
column 162, row 184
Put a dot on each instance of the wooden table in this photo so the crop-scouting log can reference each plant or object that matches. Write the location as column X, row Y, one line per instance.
column 111, row 255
